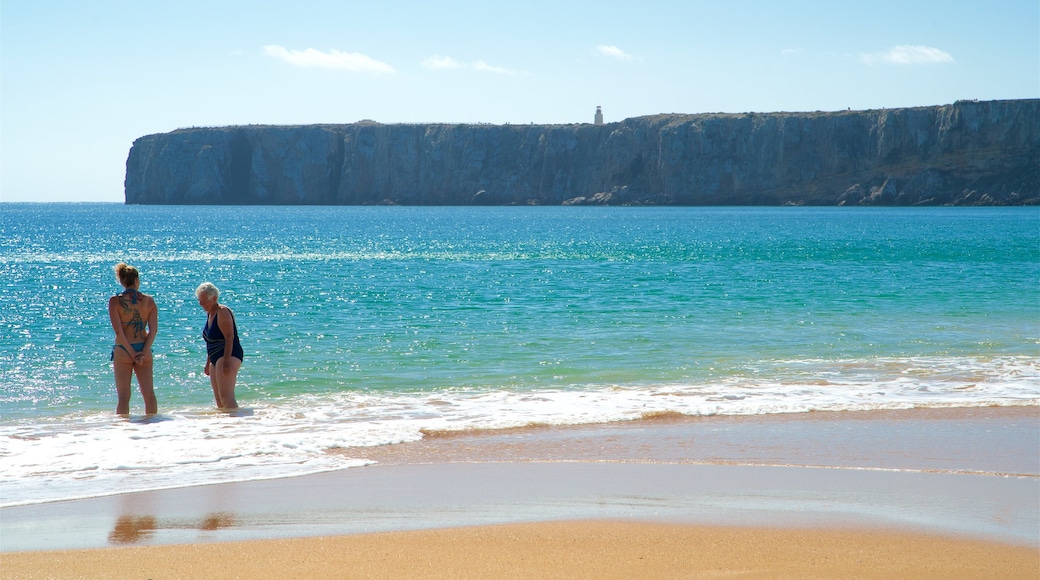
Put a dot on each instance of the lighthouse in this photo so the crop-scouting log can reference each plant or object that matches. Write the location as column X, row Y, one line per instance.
column 599, row 115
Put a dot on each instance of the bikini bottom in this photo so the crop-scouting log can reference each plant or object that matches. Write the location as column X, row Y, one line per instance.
column 138, row 347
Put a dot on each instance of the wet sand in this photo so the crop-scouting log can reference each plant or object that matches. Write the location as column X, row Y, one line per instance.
column 991, row 440
column 889, row 494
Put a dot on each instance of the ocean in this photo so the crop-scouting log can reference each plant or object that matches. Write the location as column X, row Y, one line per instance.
column 368, row 326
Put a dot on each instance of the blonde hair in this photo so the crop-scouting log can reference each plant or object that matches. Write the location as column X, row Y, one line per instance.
column 208, row 290
column 127, row 274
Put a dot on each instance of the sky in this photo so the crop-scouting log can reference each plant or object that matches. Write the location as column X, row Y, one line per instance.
column 80, row 81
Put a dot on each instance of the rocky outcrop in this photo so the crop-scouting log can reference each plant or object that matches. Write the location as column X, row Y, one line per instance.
column 967, row 153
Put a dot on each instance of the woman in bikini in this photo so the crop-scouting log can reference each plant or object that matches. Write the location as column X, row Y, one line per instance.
column 135, row 320
column 223, row 349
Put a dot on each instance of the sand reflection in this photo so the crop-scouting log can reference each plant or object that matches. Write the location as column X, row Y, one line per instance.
column 136, row 529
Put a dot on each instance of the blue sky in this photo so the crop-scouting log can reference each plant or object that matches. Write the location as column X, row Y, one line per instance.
column 79, row 81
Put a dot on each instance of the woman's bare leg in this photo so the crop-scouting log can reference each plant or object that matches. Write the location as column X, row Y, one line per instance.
column 225, row 385
column 213, row 383
column 145, row 383
column 123, row 366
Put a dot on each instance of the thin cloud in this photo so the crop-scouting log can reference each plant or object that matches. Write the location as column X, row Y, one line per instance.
column 446, row 62
column 485, row 67
column 441, row 62
column 611, row 51
column 908, row 54
column 790, row 51
column 333, row 59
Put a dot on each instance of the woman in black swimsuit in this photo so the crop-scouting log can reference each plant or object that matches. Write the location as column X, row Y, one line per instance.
column 223, row 350
column 135, row 320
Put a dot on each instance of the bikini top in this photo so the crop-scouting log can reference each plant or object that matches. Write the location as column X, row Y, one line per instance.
column 132, row 293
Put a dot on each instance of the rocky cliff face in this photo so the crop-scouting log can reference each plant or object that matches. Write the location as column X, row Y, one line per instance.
column 967, row 153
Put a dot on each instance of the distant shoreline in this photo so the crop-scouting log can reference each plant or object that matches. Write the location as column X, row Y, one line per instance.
column 794, row 207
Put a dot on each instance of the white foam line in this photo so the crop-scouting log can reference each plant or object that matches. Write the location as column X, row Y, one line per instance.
column 359, row 463
column 725, row 463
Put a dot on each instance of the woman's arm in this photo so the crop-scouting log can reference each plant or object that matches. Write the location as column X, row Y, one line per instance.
column 117, row 325
column 227, row 327
column 153, row 327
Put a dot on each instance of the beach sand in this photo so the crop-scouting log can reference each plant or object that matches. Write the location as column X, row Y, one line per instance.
column 912, row 494
column 584, row 549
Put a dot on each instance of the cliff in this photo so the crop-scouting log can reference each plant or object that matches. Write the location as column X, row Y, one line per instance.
column 967, row 153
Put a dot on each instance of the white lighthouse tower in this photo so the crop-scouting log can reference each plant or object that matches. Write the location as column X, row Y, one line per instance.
column 599, row 115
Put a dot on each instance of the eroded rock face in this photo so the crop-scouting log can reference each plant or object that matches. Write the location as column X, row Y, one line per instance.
column 967, row 153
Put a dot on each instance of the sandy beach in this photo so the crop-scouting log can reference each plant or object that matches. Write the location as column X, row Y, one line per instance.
column 585, row 549
column 914, row 494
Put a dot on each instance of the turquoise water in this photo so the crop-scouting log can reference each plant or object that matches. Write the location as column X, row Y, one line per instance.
column 372, row 325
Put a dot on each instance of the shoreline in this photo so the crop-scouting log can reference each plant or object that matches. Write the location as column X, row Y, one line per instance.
column 940, row 479
column 747, row 440
column 939, row 440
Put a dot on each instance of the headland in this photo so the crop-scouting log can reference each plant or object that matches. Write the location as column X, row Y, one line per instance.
column 965, row 153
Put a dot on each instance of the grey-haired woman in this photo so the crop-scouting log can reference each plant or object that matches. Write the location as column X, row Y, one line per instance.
column 223, row 350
